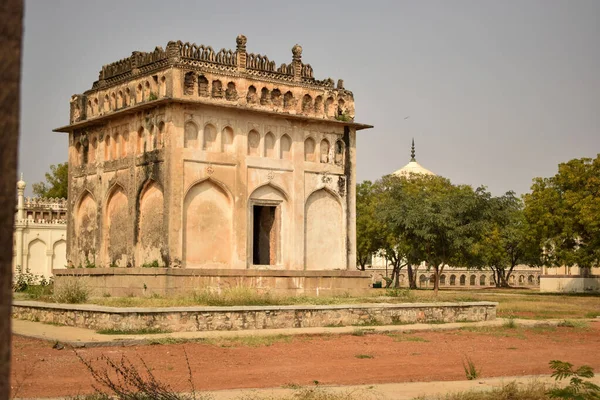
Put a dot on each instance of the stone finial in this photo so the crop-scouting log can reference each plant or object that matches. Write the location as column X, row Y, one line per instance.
column 412, row 151
column 297, row 52
column 340, row 84
column 241, row 42
column 21, row 184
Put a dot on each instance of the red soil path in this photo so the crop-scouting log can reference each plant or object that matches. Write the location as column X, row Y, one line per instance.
column 40, row 371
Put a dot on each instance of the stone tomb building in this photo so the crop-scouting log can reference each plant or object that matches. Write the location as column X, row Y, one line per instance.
column 199, row 159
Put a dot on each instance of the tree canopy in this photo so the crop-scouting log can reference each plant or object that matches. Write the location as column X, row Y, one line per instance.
column 57, row 181
column 438, row 221
column 563, row 212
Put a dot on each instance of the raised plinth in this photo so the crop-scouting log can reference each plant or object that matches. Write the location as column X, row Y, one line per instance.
column 192, row 319
column 168, row 281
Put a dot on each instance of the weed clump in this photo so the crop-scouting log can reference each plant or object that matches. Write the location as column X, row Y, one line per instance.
column 72, row 291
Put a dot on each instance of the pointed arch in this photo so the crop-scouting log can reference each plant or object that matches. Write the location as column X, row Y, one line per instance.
column 309, row 149
column 269, row 191
column 190, row 138
column 285, row 147
column 210, row 138
column 59, row 254
column 207, row 224
column 324, row 151
column 36, row 257
column 151, row 235
column 115, row 233
column 324, row 231
column 227, row 137
column 269, row 145
column 253, row 143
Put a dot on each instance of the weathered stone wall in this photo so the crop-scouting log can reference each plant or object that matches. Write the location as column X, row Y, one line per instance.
column 570, row 284
column 190, row 319
column 166, row 281
column 171, row 152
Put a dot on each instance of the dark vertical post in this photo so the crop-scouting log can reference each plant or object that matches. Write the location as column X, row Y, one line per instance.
column 11, row 30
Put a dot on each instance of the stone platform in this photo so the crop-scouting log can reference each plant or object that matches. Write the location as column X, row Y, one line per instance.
column 196, row 319
column 167, row 281
column 121, row 282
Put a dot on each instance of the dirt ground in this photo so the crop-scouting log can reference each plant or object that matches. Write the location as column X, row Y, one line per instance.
column 41, row 371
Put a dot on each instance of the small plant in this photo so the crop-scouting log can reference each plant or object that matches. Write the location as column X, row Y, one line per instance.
column 369, row 322
column 510, row 323
column 72, row 291
column 152, row 96
column 345, row 117
column 153, row 264
column 471, row 371
column 89, row 264
column 363, row 356
column 578, row 388
column 113, row 265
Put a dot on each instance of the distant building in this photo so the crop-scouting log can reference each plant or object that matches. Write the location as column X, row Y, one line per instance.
column 460, row 277
column 40, row 234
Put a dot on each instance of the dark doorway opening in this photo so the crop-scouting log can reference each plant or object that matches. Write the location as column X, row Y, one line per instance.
column 264, row 238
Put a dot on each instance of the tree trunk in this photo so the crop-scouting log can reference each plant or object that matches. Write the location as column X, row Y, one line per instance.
column 412, row 277
column 11, row 15
column 436, row 280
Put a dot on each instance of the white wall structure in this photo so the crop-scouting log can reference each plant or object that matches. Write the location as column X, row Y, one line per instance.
column 40, row 237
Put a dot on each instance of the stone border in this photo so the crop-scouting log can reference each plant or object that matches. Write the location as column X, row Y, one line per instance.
column 210, row 272
column 193, row 319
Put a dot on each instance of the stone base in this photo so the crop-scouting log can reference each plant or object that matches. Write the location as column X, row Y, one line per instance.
column 121, row 282
column 193, row 319
column 570, row 283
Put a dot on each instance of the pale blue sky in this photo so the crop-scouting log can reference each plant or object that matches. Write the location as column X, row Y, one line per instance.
column 498, row 92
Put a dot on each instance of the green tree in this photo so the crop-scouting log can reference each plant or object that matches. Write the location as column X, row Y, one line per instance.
column 506, row 242
column 563, row 213
column 367, row 229
column 57, row 182
column 440, row 222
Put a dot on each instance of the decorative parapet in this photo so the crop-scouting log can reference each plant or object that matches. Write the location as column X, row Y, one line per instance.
column 198, row 72
column 30, row 222
column 136, row 60
column 46, row 203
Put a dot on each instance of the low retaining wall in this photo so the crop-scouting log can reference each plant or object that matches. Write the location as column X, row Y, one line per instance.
column 570, row 284
column 192, row 319
column 166, row 281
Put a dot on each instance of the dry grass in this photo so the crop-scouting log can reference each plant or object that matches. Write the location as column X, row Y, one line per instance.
column 510, row 391
column 523, row 303
column 319, row 393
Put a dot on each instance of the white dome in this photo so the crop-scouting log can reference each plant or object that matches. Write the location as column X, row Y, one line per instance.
column 413, row 167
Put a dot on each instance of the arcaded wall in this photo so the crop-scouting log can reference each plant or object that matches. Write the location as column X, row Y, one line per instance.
column 179, row 186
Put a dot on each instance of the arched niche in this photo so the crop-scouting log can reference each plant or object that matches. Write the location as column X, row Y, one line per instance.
column 227, row 140
column 269, row 145
column 59, row 254
column 268, row 215
column 285, row 147
column 324, row 150
column 151, row 229
column 324, row 232
column 210, row 138
column 36, row 257
column 253, row 143
column 207, row 225
column 115, row 232
column 309, row 149
column 190, row 135
column 86, row 225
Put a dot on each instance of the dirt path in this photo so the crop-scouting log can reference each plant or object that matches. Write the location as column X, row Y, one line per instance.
column 40, row 371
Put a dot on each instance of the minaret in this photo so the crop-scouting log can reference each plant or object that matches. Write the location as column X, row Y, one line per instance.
column 20, row 199
column 20, row 223
column 412, row 152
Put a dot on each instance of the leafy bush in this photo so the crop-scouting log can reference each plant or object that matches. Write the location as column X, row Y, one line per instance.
column 578, row 388
column 23, row 280
column 72, row 291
